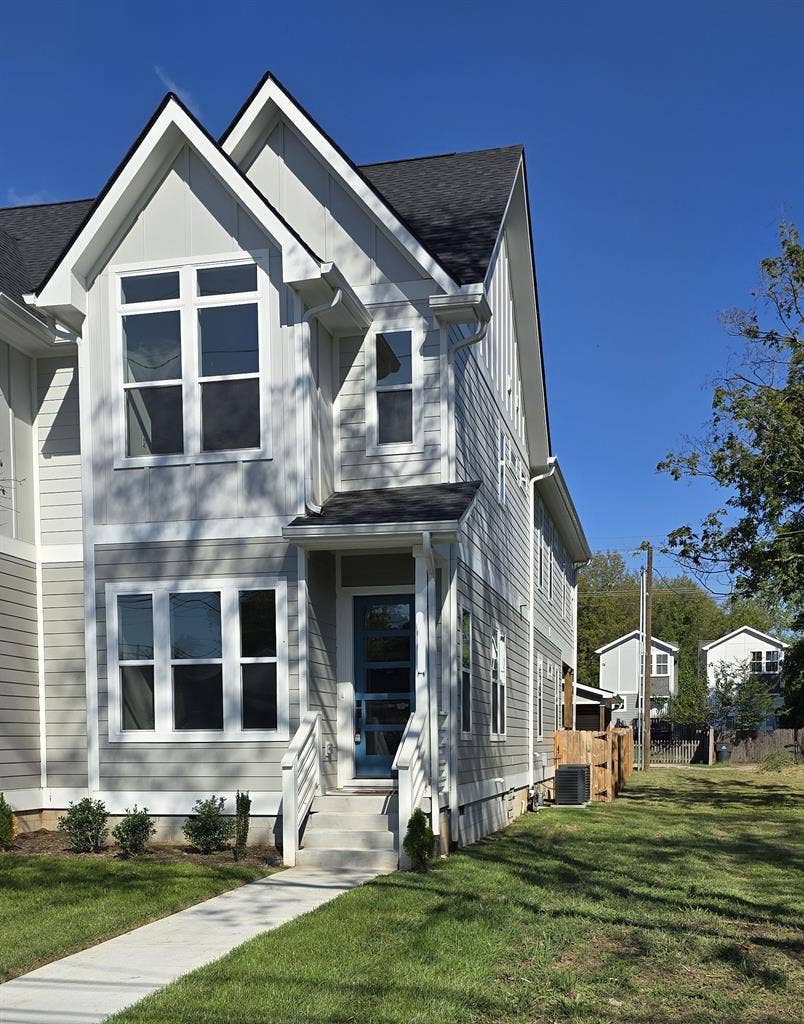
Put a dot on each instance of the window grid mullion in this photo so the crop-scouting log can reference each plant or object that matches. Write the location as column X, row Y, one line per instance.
column 189, row 362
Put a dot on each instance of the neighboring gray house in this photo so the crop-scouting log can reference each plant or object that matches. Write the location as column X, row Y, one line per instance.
column 281, row 511
column 620, row 671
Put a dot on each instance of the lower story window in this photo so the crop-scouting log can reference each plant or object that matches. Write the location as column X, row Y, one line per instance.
column 499, row 674
column 466, row 670
column 192, row 661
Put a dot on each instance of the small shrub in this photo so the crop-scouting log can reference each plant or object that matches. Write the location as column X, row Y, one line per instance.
column 242, row 812
column 85, row 825
column 776, row 761
column 8, row 827
column 207, row 829
column 134, row 831
column 419, row 842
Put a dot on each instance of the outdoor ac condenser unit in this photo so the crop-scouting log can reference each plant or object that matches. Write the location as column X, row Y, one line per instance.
column 572, row 785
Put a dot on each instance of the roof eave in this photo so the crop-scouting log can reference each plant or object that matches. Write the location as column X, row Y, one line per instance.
column 556, row 495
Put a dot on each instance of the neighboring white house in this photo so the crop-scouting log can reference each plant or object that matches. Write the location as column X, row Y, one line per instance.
column 761, row 651
column 620, row 671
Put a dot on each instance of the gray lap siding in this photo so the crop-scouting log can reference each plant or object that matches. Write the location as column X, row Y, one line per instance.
column 201, row 766
column 19, row 677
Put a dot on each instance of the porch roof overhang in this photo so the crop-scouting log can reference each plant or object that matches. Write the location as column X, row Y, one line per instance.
column 595, row 695
column 386, row 516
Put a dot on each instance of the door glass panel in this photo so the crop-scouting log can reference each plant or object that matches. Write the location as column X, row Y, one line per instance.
column 388, row 616
column 388, row 648
column 387, row 712
column 388, row 680
column 383, row 743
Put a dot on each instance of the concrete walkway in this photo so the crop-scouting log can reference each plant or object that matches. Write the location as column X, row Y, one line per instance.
column 92, row 985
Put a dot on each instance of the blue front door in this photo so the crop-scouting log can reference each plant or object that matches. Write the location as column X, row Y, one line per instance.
column 384, row 693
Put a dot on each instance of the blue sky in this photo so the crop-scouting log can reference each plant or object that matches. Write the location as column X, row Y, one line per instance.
column 663, row 144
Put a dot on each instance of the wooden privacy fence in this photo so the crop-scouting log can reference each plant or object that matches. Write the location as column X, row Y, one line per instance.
column 754, row 749
column 610, row 755
column 690, row 747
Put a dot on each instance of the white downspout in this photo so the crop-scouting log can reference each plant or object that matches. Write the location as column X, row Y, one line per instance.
column 432, row 689
column 531, row 643
column 307, row 399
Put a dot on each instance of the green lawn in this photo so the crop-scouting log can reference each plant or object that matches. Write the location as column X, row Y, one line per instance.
column 681, row 902
column 51, row 906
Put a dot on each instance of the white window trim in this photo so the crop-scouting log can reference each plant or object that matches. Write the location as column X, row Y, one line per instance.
column 187, row 303
column 498, row 639
column 655, row 666
column 418, row 334
column 163, row 676
column 502, row 469
column 462, row 609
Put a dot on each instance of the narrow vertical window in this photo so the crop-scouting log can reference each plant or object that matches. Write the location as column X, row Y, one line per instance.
column 558, row 689
column 540, row 699
column 466, row 670
column 394, row 386
column 498, row 683
column 196, row 660
column 135, row 656
column 258, row 658
column 501, row 454
column 539, row 513
column 550, row 564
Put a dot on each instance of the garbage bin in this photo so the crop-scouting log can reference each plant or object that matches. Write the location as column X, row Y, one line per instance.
column 722, row 751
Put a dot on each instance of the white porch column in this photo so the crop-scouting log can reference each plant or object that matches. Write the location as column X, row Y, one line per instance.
column 426, row 683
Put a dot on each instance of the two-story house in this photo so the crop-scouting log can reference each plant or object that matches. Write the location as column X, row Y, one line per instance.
column 621, row 670
column 281, row 510
column 760, row 652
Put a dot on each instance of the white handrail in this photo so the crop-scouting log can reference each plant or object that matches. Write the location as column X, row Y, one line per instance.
column 301, row 781
column 410, row 764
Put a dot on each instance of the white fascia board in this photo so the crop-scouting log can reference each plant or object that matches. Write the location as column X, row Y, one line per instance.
column 469, row 305
column 745, row 629
column 21, row 329
column 172, row 128
column 370, row 535
column 242, row 136
column 554, row 492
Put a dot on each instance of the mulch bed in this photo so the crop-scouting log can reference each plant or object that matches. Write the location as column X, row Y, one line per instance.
column 55, row 844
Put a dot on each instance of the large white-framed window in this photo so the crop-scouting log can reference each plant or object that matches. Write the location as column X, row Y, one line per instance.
column 394, row 388
column 466, row 671
column 772, row 662
column 197, row 660
column 661, row 663
column 499, row 687
column 756, row 662
column 190, row 361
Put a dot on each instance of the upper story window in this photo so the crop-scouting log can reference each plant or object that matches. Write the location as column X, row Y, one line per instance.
column 502, row 452
column 661, row 664
column 771, row 661
column 756, row 661
column 197, row 660
column 194, row 351
column 540, row 699
column 394, row 390
column 466, row 670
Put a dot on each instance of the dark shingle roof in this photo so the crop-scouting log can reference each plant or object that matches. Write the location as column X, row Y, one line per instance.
column 32, row 238
column 454, row 203
column 428, row 503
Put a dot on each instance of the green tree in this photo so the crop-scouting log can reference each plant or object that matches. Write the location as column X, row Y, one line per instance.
column 608, row 607
column 754, row 446
column 793, row 686
column 741, row 700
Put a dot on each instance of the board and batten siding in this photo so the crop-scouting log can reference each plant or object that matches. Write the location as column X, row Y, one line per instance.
column 65, row 674
column 19, row 677
column 59, row 450
column 16, row 449
column 192, row 215
column 325, row 213
column 322, row 654
column 202, row 766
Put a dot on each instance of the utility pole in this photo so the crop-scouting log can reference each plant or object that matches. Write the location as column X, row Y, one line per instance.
column 648, row 658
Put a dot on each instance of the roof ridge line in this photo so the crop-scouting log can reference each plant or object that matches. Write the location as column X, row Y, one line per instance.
column 441, row 156
column 57, row 202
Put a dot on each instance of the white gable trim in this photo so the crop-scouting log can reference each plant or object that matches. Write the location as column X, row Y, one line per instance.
column 750, row 631
column 662, row 645
column 171, row 127
column 241, row 136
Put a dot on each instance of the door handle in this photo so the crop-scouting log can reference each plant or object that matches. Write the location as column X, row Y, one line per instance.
column 358, row 720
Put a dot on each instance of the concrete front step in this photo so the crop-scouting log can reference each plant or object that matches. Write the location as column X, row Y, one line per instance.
column 316, row 838
column 360, row 822
column 365, row 803
column 355, row 860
